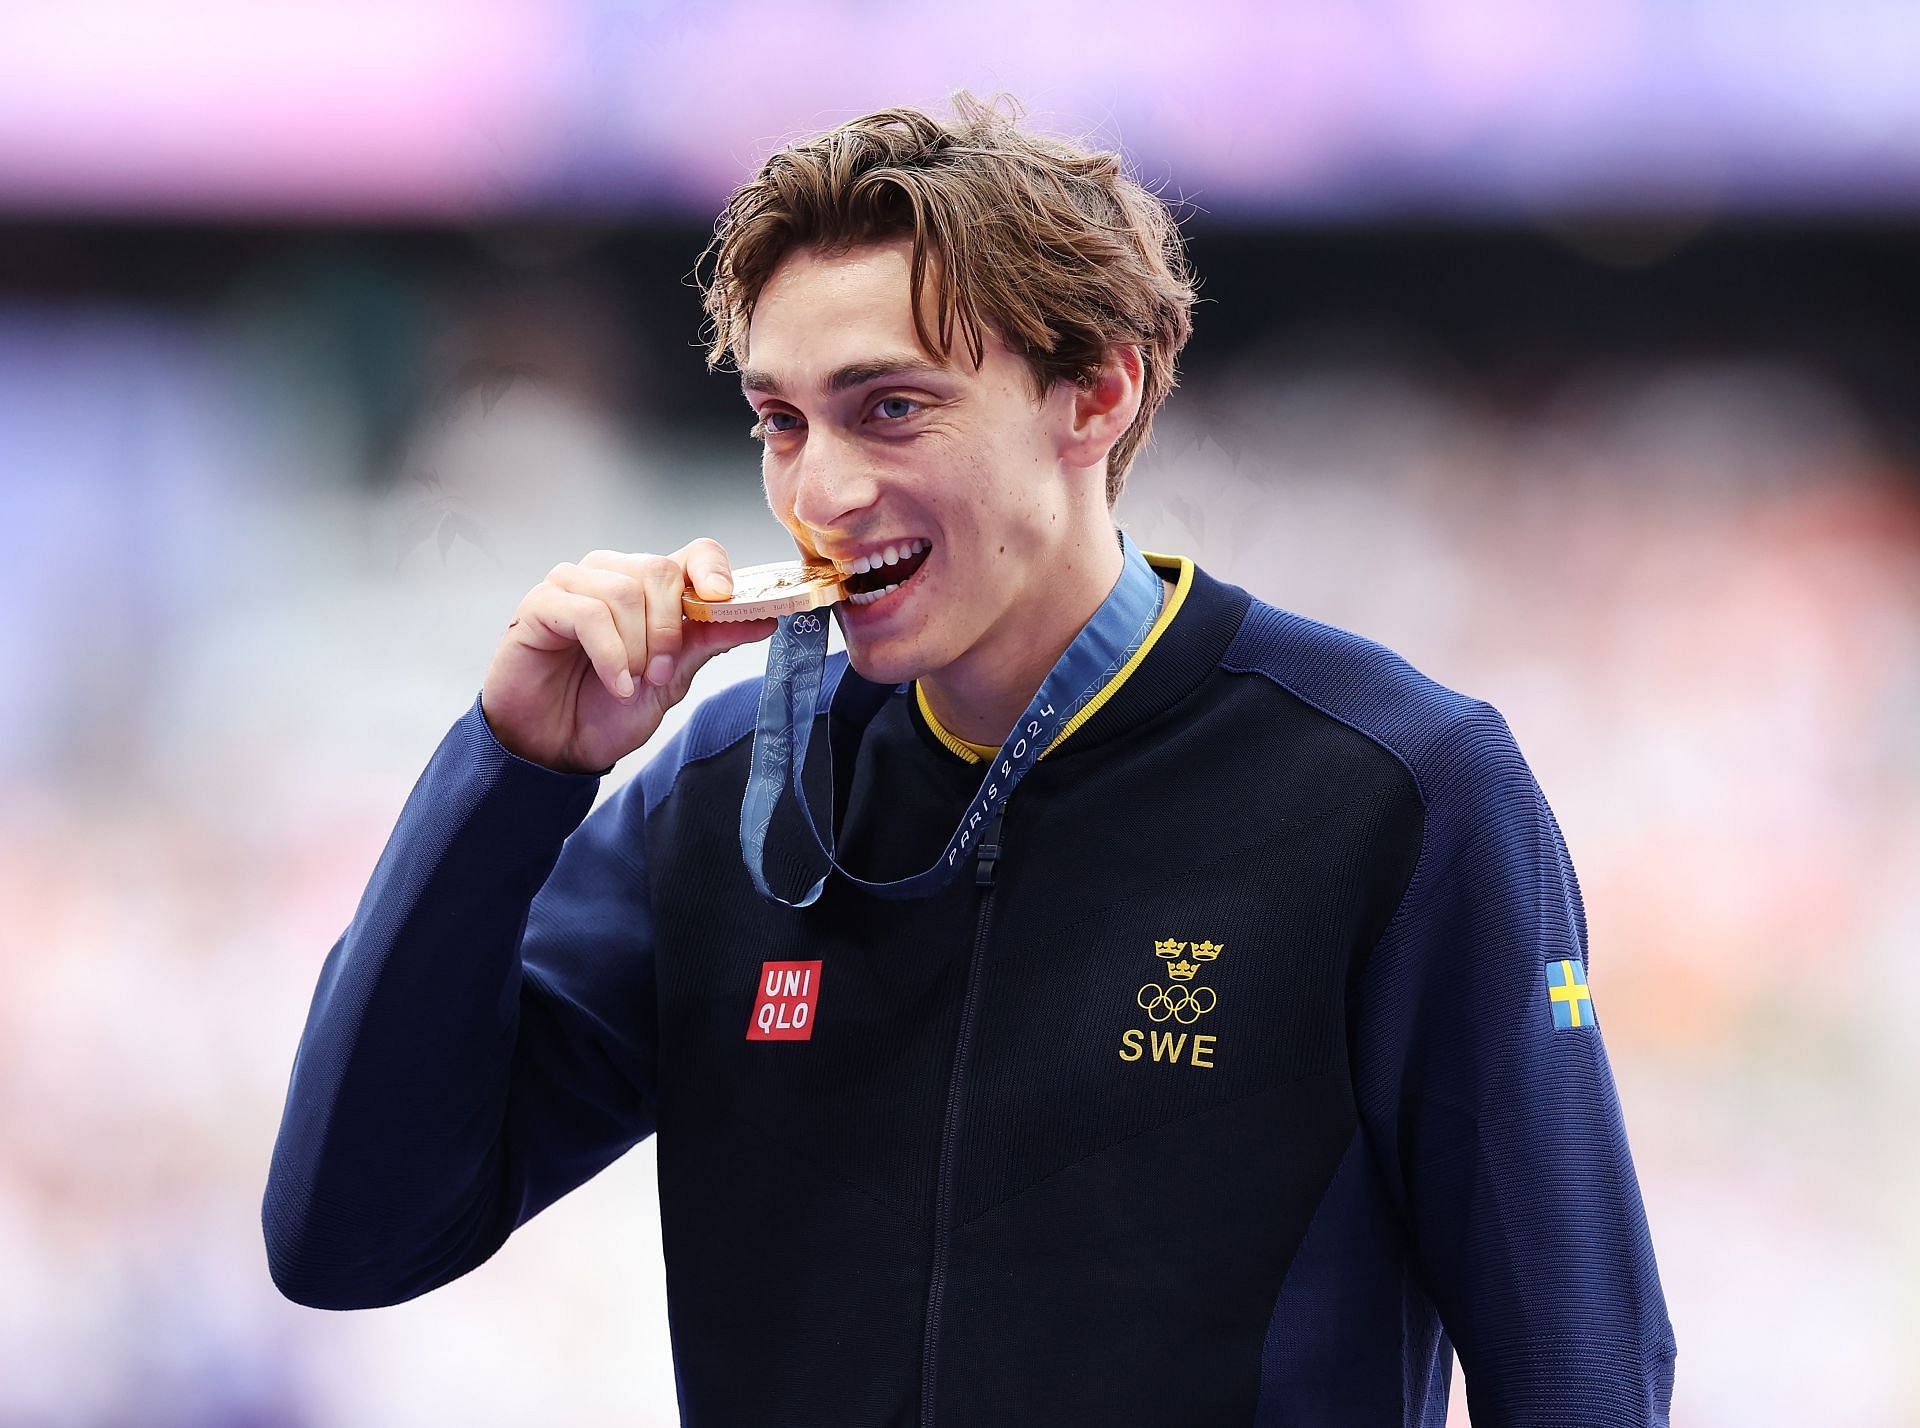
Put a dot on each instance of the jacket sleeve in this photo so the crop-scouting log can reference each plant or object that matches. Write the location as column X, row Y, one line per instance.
column 1491, row 1106
column 481, row 1040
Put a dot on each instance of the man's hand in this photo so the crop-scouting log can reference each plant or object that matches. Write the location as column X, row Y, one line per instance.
column 599, row 651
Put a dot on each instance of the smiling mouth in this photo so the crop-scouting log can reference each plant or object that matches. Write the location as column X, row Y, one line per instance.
column 883, row 577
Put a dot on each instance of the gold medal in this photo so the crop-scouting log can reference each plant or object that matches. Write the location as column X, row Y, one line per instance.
column 783, row 587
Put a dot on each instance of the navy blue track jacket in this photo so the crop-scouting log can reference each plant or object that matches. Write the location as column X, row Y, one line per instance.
column 1251, row 1069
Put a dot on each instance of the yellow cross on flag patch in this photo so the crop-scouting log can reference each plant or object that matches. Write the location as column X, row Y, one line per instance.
column 1567, row 994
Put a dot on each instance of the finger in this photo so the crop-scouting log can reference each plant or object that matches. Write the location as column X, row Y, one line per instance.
column 701, row 640
column 589, row 624
column 665, row 580
column 708, row 569
column 624, row 596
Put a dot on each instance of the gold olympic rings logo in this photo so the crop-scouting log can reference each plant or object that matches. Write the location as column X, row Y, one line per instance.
column 1185, row 1005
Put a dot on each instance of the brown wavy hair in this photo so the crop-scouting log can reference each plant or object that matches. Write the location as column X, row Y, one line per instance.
column 1052, row 246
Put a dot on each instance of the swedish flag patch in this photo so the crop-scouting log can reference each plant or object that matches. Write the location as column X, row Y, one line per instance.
column 1567, row 994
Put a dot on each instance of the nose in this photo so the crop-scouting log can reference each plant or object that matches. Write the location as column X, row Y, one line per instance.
column 833, row 481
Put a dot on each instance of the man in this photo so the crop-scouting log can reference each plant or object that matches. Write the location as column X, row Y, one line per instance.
column 1236, row 1068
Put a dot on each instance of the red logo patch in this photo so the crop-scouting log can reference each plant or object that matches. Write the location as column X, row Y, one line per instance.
column 789, row 997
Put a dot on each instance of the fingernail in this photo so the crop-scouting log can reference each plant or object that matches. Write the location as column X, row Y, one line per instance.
column 724, row 584
column 624, row 684
column 658, row 668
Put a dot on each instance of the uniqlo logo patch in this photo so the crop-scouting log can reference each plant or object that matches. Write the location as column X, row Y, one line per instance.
column 789, row 999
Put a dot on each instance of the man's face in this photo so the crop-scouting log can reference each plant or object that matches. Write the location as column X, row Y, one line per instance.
column 870, row 443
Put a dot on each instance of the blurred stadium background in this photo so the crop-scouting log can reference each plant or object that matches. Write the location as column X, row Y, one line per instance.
column 1569, row 349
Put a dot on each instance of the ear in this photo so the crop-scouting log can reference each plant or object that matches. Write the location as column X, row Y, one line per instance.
column 1103, row 409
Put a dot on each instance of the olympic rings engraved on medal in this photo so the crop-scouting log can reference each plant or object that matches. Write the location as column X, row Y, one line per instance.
column 1185, row 1005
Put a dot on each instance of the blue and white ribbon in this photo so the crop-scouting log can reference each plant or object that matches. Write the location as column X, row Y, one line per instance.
column 789, row 699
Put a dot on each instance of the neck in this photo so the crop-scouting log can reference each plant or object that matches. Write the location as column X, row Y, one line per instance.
column 981, row 695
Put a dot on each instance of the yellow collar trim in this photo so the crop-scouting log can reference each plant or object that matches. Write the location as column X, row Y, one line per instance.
column 973, row 753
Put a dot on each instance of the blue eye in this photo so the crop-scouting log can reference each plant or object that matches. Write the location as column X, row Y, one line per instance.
column 769, row 424
column 907, row 404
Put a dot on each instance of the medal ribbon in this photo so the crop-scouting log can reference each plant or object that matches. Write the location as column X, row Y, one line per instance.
column 789, row 700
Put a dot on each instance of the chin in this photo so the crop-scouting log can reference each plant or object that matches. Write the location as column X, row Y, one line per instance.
column 883, row 659
column 879, row 665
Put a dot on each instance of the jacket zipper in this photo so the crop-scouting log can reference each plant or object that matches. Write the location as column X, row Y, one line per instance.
column 985, row 859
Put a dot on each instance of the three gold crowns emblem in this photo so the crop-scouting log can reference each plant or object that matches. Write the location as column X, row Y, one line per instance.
column 1177, row 1000
column 1178, row 967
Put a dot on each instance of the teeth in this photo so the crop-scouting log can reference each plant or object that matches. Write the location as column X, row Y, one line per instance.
column 872, row 595
column 890, row 555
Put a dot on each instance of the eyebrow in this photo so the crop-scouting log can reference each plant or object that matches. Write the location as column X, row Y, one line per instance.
column 853, row 374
